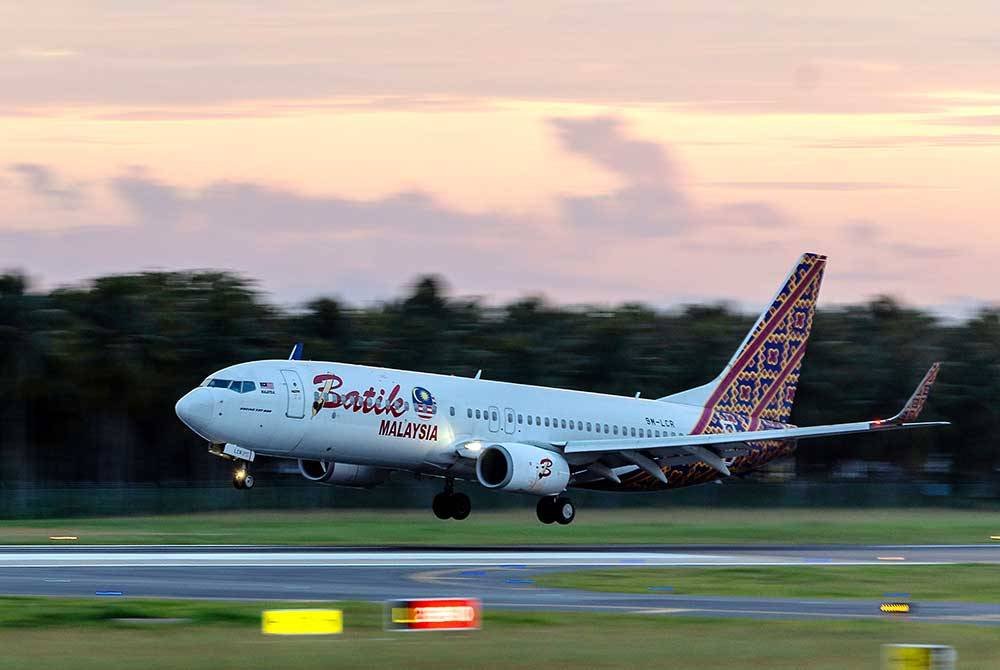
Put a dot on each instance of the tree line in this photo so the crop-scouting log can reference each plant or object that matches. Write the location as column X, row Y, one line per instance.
column 89, row 374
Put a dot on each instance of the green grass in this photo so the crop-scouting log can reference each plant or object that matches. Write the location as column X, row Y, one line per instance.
column 83, row 634
column 973, row 583
column 628, row 526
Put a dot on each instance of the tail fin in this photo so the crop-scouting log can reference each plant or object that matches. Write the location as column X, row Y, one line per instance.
column 759, row 381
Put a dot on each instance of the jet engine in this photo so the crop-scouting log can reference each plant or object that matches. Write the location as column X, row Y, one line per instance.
column 513, row 466
column 342, row 474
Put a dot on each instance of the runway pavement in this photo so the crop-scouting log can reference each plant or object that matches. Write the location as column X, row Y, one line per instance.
column 501, row 577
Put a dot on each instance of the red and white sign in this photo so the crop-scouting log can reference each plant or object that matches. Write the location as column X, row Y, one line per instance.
column 433, row 614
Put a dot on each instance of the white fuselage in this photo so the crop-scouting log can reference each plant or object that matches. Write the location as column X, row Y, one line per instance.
column 374, row 416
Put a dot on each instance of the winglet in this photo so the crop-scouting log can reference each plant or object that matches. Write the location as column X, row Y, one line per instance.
column 296, row 354
column 911, row 410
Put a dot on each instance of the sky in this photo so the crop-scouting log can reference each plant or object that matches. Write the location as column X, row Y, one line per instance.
column 590, row 152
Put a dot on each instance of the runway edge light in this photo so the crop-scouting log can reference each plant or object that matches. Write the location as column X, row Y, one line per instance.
column 302, row 622
column 433, row 614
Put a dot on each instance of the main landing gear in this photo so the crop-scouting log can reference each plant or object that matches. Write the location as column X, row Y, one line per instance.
column 451, row 505
column 556, row 510
column 242, row 479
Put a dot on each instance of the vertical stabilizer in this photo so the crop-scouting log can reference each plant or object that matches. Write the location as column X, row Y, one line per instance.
column 760, row 380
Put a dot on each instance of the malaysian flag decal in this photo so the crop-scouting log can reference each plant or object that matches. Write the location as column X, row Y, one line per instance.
column 423, row 403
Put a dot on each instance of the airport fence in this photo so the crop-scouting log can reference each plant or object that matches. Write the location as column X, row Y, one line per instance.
column 31, row 501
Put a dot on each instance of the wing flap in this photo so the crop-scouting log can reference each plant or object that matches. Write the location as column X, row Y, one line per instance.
column 680, row 442
column 696, row 444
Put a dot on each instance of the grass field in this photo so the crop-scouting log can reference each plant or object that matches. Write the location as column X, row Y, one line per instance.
column 628, row 526
column 971, row 583
column 86, row 634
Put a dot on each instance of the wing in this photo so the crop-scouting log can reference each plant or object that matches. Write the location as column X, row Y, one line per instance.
column 706, row 446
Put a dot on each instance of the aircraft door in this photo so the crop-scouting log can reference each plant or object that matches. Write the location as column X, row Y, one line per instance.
column 494, row 420
column 296, row 395
column 509, row 426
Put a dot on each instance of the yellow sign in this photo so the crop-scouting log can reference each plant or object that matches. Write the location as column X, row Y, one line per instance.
column 895, row 608
column 302, row 622
column 917, row 657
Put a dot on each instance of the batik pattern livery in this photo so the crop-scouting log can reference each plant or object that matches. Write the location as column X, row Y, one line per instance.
column 757, row 455
column 758, row 389
column 915, row 405
column 761, row 382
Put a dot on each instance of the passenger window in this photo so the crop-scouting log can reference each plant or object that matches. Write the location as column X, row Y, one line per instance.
column 470, row 412
column 453, row 411
column 657, row 433
column 616, row 430
column 588, row 426
column 633, row 432
column 520, row 418
column 642, row 433
column 478, row 416
column 546, row 422
column 510, row 418
column 606, row 430
column 529, row 419
column 538, row 420
column 494, row 416
column 564, row 423
column 571, row 424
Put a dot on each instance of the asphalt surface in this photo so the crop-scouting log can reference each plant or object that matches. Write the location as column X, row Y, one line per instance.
column 501, row 577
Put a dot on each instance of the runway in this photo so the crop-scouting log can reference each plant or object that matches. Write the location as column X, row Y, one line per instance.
column 501, row 577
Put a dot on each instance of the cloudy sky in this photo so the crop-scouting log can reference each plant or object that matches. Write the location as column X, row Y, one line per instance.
column 590, row 151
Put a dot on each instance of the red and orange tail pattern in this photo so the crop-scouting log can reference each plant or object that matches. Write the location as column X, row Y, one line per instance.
column 759, row 384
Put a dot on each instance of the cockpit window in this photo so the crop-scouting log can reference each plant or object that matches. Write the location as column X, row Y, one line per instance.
column 238, row 386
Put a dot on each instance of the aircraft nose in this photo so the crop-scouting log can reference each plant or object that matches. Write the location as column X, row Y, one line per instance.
column 195, row 410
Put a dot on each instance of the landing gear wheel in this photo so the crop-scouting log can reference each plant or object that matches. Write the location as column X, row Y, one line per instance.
column 442, row 506
column 546, row 510
column 565, row 511
column 450, row 505
column 461, row 506
column 248, row 481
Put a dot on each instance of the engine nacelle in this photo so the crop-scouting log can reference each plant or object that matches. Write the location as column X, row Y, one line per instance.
column 513, row 466
column 342, row 474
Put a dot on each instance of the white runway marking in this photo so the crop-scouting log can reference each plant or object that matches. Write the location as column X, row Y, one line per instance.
column 403, row 559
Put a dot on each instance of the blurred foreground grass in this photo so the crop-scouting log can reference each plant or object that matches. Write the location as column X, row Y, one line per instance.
column 971, row 583
column 88, row 634
column 680, row 525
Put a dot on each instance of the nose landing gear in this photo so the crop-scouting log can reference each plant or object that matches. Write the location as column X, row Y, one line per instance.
column 242, row 479
column 559, row 510
column 451, row 505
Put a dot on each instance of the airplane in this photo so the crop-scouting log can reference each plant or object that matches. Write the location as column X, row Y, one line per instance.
column 352, row 425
